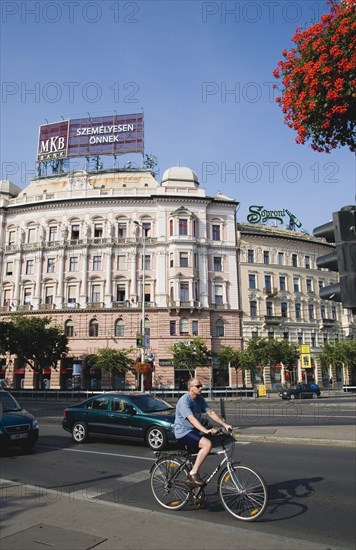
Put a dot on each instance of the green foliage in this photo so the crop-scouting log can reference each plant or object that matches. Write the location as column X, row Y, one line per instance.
column 238, row 359
column 111, row 360
column 35, row 342
column 339, row 353
column 271, row 351
column 5, row 334
column 190, row 354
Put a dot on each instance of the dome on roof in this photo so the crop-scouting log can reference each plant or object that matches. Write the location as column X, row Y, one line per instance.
column 180, row 175
column 9, row 189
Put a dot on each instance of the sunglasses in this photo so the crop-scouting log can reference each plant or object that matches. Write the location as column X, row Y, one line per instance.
column 198, row 386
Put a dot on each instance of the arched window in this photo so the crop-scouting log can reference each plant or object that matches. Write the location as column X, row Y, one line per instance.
column 119, row 328
column 93, row 328
column 69, row 328
column 219, row 328
column 184, row 326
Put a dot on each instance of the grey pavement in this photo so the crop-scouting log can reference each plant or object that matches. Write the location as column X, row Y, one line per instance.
column 34, row 518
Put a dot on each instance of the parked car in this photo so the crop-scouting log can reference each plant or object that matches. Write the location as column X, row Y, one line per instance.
column 18, row 428
column 301, row 391
column 123, row 415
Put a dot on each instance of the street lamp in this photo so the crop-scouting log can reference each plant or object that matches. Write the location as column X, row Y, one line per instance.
column 143, row 347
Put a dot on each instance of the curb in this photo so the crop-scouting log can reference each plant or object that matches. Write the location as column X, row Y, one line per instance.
column 296, row 440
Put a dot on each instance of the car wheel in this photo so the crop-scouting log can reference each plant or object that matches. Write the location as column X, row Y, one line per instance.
column 156, row 438
column 80, row 432
column 315, row 396
column 292, row 396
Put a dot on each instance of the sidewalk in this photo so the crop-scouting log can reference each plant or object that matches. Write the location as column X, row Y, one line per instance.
column 33, row 518
column 338, row 435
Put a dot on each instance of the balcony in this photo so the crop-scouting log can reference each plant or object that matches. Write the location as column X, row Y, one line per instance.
column 270, row 291
column 125, row 303
column 329, row 322
column 220, row 306
column 273, row 319
column 46, row 307
column 24, row 307
column 95, row 305
column 70, row 305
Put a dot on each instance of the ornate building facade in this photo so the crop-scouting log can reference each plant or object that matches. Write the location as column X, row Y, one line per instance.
column 87, row 248
column 280, row 285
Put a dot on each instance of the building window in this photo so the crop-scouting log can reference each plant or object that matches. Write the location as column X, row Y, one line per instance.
column 146, row 229
column 147, row 265
column 286, row 335
column 121, row 230
column 251, row 281
column 12, row 237
column 52, row 234
column 219, row 328
column 333, row 312
column 119, row 328
column 183, row 259
column 218, row 294
column 75, row 232
column 284, row 309
column 217, row 266
column 254, row 334
column 171, row 260
column 269, row 309
column 31, row 235
column 322, row 312
column 298, row 311
column 253, row 308
column 72, row 296
column 296, row 286
column 183, row 226
column 250, row 256
column 268, row 285
column 51, row 265
column 96, row 263
column 280, row 258
column 294, row 260
column 30, row 267
column 266, row 257
column 300, row 337
column 311, row 312
column 282, row 283
column 9, row 268
column 309, row 284
column 93, row 328
column 184, row 292
column 194, row 228
column 170, row 228
column 121, row 263
column 172, row 328
column 313, row 340
column 27, row 296
column 195, row 260
column 195, row 326
column 120, row 293
column 184, row 326
column 98, row 230
column 95, row 294
column 147, row 293
column 73, row 264
column 321, row 285
column 49, row 295
column 69, row 329
column 307, row 262
column 270, row 334
column 216, row 236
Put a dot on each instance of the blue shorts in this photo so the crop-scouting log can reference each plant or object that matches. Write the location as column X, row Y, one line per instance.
column 191, row 440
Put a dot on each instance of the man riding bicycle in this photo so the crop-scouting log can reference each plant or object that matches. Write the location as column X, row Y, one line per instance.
column 189, row 429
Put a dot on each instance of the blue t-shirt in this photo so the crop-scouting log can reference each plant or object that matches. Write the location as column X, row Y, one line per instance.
column 185, row 407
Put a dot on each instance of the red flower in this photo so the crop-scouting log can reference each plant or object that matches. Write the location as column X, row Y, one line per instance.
column 318, row 76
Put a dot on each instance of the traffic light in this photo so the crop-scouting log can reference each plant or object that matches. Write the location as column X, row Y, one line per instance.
column 341, row 231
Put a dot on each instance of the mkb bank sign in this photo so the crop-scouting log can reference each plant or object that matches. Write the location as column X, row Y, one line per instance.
column 109, row 135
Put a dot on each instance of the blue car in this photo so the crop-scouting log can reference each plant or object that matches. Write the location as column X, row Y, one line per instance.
column 123, row 415
column 18, row 428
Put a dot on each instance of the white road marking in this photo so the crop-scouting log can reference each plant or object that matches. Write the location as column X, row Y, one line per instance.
column 96, row 453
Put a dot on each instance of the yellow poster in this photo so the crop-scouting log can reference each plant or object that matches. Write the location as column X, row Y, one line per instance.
column 306, row 361
column 304, row 349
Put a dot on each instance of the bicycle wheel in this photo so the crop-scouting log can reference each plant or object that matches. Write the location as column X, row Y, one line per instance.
column 245, row 495
column 169, row 486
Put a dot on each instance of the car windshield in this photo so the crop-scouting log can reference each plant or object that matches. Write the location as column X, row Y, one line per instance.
column 148, row 403
column 8, row 403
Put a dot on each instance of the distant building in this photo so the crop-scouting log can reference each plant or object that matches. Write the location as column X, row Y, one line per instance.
column 279, row 288
column 69, row 249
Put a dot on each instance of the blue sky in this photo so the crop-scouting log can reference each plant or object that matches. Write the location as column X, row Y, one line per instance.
column 202, row 74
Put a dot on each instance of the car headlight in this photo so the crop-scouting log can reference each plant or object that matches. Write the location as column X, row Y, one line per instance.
column 34, row 424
